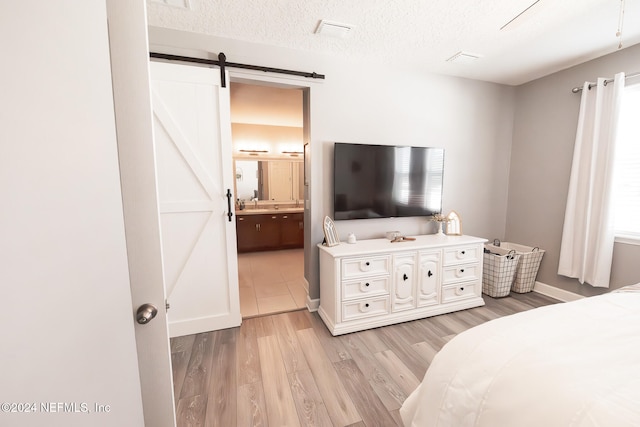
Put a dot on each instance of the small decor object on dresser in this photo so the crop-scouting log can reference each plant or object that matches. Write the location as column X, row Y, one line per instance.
column 454, row 224
column 440, row 220
column 330, row 232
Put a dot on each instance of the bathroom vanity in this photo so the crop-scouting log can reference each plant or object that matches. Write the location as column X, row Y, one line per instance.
column 269, row 229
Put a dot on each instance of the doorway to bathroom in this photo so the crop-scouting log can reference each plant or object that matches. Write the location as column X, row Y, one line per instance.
column 268, row 136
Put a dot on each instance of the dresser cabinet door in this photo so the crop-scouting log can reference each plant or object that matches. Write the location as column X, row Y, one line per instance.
column 404, row 282
column 430, row 281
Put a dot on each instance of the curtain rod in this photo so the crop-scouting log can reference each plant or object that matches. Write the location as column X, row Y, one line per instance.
column 222, row 63
column 628, row 76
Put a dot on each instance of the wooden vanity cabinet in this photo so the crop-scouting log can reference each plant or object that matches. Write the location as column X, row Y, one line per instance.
column 267, row 232
column 292, row 230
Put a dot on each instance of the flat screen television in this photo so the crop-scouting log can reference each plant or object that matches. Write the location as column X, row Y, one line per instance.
column 385, row 181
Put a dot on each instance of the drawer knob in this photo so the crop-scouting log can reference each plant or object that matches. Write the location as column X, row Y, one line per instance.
column 366, row 284
column 366, row 263
column 405, row 277
column 463, row 252
column 367, row 305
column 462, row 270
column 429, row 273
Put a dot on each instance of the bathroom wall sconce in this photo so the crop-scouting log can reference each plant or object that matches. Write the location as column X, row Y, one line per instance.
column 254, row 152
column 293, row 153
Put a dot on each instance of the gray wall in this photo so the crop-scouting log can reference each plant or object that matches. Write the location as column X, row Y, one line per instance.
column 546, row 115
column 380, row 103
column 508, row 150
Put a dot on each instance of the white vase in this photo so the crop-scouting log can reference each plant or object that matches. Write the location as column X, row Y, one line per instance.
column 440, row 232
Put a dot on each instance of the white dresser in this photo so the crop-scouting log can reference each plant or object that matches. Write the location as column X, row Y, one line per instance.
column 375, row 282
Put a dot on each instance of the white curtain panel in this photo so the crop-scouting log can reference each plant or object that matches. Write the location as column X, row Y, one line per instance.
column 588, row 235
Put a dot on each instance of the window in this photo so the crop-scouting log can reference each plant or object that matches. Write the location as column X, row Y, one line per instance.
column 626, row 195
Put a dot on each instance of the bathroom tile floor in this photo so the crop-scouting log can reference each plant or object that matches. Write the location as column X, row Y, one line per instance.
column 271, row 282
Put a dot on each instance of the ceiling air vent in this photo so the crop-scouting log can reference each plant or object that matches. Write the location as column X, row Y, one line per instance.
column 333, row 29
column 464, row 58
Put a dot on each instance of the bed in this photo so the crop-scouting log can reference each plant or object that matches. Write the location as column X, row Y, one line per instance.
column 569, row 364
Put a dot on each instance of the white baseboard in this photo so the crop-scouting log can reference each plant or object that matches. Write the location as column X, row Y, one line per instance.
column 313, row 304
column 557, row 293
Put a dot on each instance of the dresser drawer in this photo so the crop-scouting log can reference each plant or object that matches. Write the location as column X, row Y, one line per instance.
column 365, row 287
column 460, row 291
column 365, row 308
column 462, row 254
column 463, row 272
column 353, row 268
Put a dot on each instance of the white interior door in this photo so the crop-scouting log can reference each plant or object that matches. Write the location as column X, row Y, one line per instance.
column 66, row 327
column 134, row 127
column 194, row 160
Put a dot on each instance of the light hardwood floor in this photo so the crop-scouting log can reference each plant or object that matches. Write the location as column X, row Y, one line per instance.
column 287, row 369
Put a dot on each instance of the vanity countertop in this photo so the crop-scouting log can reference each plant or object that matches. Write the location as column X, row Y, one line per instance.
column 262, row 211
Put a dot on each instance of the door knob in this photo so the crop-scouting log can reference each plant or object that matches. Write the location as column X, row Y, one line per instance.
column 145, row 313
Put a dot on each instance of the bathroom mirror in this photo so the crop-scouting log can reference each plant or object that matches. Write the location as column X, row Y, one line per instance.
column 274, row 180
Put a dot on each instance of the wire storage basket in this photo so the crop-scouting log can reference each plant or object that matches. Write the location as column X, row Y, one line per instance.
column 528, row 265
column 498, row 272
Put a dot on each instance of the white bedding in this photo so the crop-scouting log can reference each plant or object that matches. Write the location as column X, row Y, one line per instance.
column 569, row 364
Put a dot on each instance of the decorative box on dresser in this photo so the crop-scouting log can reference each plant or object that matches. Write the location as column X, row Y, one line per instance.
column 375, row 282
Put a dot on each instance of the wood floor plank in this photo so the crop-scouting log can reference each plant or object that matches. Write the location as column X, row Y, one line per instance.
column 396, row 416
column 370, row 407
column 336, row 399
column 331, row 346
column 466, row 319
column 299, row 319
column 222, row 395
column 401, row 374
column 183, row 343
column 311, row 409
column 402, row 349
column 430, row 332
column 534, row 299
column 290, row 347
column 387, row 390
column 190, row 411
column 452, row 323
column 372, row 340
column 264, row 326
column 502, row 306
column 197, row 376
column 252, row 411
column 474, row 317
column 435, row 326
column 179, row 363
column 279, row 402
column 412, row 332
column 426, row 351
column 247, row 356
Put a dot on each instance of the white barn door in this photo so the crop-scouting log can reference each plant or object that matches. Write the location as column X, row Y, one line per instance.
column 194, row 161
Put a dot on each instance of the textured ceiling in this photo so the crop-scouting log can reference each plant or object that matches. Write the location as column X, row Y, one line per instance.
column 552, row 35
